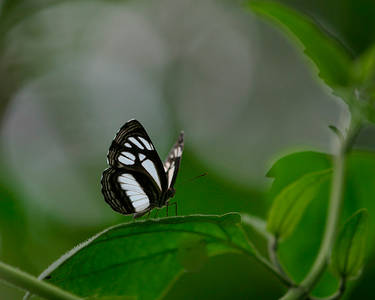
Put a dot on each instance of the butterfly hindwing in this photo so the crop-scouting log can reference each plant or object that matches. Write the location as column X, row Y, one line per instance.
column 113, row 194
column 128, row 192
column 172, row 163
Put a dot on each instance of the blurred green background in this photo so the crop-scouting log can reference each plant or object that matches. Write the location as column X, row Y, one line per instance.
column 72, row 72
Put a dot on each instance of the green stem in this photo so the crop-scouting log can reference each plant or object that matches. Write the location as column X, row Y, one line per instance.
column 273, row 244
column 32, row 284
column 264, row 262
column 261, row 259
column 338, row 182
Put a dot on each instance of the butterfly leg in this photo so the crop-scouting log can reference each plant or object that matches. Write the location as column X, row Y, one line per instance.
column 166, row 211
column 156, row 214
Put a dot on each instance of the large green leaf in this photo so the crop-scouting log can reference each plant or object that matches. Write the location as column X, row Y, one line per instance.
column 330, row 57
column 290, row 204
column 143, row 258
column 350, row 248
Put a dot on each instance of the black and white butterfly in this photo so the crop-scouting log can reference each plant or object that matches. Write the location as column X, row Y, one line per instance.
column 136, row 180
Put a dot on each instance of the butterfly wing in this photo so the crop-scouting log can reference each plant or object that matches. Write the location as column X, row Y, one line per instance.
column 172, row 163
column 135, row 181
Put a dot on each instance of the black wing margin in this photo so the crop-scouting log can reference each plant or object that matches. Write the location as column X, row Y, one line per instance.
column 172, row 163
column 113, row 193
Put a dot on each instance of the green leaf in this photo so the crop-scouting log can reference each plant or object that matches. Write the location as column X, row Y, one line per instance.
column 330, row 57
column 364, row 67
column 350, row 248
column 290, row 204
column 293, row 166
column 144, row 258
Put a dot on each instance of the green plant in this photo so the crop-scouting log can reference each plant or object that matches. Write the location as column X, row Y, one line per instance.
column 143, row 259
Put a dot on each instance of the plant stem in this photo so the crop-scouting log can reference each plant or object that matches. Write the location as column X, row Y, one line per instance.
column 338, row 183
column 273, row 244
column 264, row 262
column 282, row 277
column 30, row 283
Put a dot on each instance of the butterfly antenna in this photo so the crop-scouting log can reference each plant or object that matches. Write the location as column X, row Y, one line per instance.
column 194, row 178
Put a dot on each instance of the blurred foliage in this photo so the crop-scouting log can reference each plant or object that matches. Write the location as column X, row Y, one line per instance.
column 355, row 85
column 30, row 237
column 358, row 191
column 349, row 253
column 350, row 21
column 332, row 60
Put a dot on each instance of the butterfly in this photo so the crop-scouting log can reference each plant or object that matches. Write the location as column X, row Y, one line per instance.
column 136, row 180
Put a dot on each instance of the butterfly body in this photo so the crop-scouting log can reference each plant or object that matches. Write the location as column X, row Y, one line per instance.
column 136, row 180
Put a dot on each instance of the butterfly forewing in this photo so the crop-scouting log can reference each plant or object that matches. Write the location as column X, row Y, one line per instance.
column 133, row 150
column 172, row 163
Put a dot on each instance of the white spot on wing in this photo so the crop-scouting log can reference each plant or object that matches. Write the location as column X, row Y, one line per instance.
column 177, row 152
column 135, row 142
column 146, row 143
column 127, row 178
column 125, row 160
column 134, row 191
column 128, row 145
column 141, row 156
column 131, row 187
column 128, row 155
column 141, row 205
column 170, row 175
column 130, row 193
column 150, row 168
column 137, row 197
